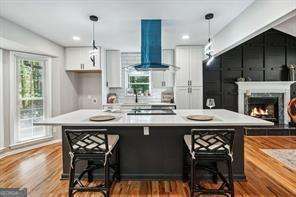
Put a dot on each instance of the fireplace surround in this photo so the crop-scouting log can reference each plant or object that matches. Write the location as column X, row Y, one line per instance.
column 269, row 90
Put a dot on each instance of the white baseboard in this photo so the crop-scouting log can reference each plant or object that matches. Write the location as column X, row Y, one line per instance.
column 23, row 149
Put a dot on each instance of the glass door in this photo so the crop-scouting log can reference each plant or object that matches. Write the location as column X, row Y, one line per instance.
column 1, row 102
column 30, row 99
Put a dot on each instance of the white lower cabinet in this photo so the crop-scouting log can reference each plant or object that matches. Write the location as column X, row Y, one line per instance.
column 189, row 97
column 196, row 98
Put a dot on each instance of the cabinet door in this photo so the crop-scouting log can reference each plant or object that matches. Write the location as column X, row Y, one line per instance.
column 161, row 79
column 77, row 58
column 196, row 98
column 168, row 58
column 182, row 61
column 113, row 63
column 157, row 78
column 195, row 69
column 182, row 98
column 72, row 58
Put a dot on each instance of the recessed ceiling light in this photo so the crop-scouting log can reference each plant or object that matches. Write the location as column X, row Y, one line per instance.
column 185, row 37
column 76, row 38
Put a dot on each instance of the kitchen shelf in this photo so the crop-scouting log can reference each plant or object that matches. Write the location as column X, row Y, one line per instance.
column 85, row 71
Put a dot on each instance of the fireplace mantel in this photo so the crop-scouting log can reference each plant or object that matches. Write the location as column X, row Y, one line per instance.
column 267, row 85
column 249, row 87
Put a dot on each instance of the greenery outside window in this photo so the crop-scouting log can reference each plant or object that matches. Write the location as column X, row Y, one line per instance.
column 139, row 81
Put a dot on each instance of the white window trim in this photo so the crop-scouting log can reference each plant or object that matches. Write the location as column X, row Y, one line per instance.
column 1, row 102
column 13, row 89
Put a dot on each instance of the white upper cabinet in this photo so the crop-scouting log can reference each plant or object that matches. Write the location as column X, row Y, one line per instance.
column 77, row 59
column 161, row 79
column 113, row 64
column 188, row 91
column 182, row 61
column 189, row 59
column 195, row 74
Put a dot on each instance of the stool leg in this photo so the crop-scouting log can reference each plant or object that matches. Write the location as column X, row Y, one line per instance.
column 230, row 176
column 107, row 177
column 192, row 178
column 118, row 165
column 71, row 180
column 90, row 176
column 185, row 173
column 215, row 176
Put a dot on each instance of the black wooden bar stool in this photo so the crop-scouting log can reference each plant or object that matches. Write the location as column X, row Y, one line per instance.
column 100, row 150
column 211, row 146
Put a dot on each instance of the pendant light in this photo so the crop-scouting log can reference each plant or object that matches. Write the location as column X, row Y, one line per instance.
column 94, row 51
column 209, row 46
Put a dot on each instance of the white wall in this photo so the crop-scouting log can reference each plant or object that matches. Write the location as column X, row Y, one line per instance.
column 257, row 18
column 89, row 89
column 288, row 26
column 17, row 38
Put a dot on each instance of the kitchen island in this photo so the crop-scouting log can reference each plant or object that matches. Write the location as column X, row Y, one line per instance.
column 156, row 154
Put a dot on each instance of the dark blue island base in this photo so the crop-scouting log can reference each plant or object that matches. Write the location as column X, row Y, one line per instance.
column 158, row 156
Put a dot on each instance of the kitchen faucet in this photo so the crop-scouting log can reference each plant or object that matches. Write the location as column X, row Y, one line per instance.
column 136, row 93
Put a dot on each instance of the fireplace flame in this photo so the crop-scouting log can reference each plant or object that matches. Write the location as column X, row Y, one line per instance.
column 257, row 111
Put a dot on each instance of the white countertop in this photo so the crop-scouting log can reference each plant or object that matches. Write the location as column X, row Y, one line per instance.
column 222, row 117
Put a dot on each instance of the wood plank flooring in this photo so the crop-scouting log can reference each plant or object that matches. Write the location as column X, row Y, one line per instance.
column 39, row 171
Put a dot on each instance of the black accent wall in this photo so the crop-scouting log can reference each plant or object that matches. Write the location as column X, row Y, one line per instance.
column 263, row 58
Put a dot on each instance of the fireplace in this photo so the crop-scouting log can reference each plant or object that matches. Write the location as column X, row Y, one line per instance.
column 264, row 107
column 270, row 90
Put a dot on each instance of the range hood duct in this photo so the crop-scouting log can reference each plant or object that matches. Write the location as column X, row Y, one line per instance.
column 151, row 46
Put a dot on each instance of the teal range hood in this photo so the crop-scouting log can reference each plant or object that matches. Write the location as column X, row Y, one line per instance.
column 151, row 46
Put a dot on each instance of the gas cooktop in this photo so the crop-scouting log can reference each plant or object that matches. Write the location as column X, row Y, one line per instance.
column 151, row 112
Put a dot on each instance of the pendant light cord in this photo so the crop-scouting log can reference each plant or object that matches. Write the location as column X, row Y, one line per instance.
column 209, row 30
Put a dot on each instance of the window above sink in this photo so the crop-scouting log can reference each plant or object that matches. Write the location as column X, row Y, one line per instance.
column 138, row 81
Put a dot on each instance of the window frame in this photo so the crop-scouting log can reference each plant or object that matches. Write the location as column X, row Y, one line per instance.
column 127, row 82
column 1, row 102
column 14, row 82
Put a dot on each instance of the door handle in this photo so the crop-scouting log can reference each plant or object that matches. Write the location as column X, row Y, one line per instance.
column 189, row 90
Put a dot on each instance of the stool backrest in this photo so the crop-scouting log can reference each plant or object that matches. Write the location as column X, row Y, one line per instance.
column 87, row 141
column 212, row 140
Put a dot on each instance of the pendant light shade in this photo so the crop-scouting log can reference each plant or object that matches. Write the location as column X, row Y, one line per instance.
column 94, row 52
column 208, row 50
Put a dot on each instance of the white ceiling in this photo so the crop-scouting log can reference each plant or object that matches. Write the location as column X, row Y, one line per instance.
column 119, row 28
column 288, row 26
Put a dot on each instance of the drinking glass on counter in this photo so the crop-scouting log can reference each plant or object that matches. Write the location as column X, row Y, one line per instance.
column 210, row 103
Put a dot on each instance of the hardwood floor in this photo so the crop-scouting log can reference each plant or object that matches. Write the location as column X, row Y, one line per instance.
column 39, row 171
